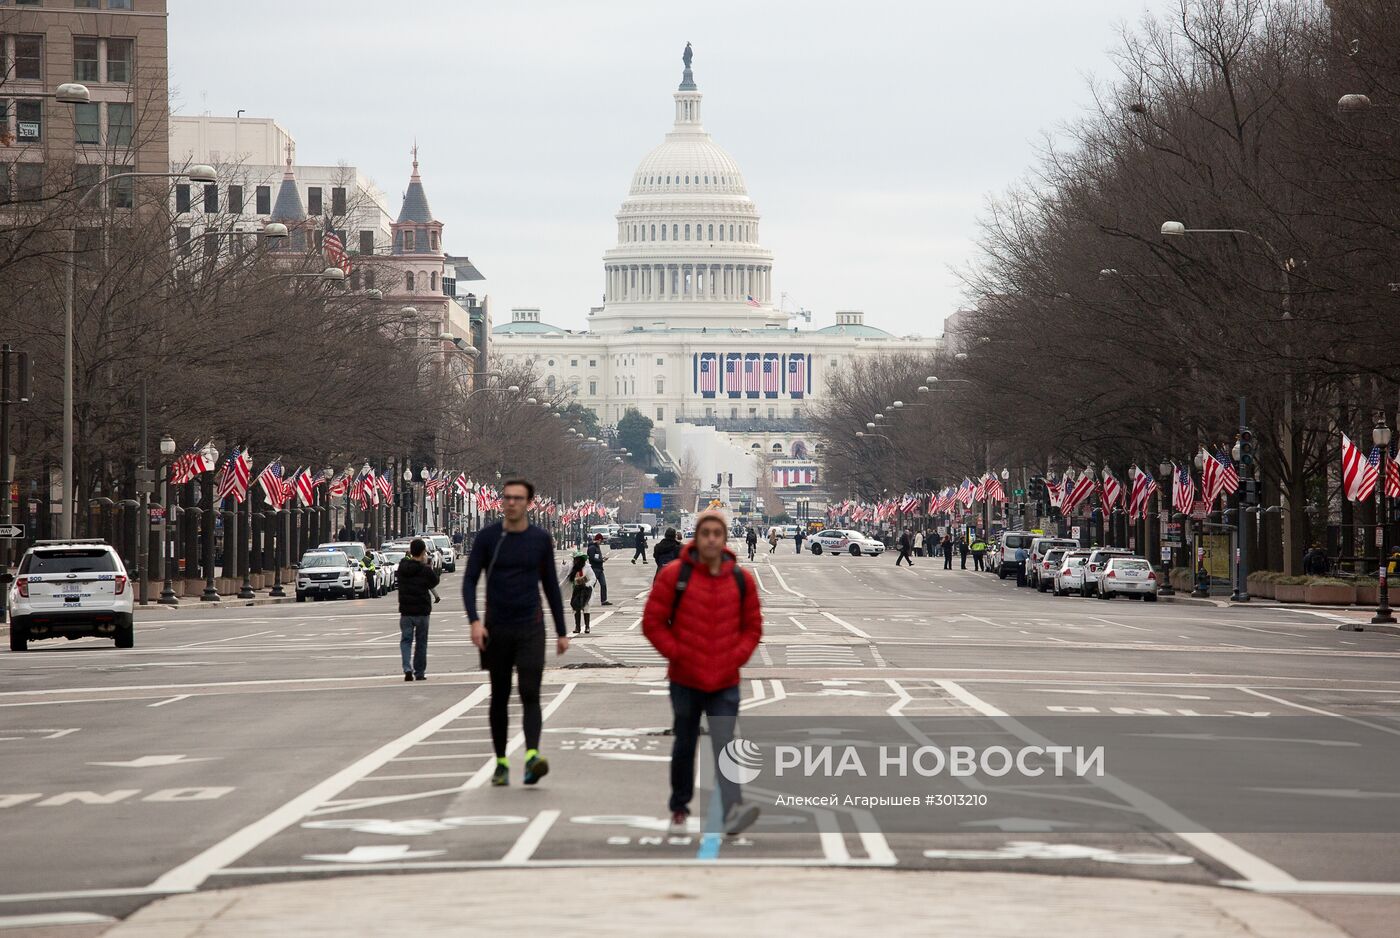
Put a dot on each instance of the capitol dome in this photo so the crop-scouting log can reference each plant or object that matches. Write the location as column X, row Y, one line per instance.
column 687, row 251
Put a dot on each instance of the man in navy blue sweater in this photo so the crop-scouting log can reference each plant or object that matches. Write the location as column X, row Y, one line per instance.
column 517, row 558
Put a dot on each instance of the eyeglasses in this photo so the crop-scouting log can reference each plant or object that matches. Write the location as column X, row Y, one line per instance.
column 513, row 498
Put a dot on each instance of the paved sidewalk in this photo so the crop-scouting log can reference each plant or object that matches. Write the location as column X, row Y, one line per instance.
column 661, row 902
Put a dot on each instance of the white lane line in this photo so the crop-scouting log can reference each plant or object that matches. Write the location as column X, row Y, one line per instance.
column 54, row 919
column 1328, row 713
column 1319, row 888
column 794, row 621
column 635, row 624
column 219, row 641
column 457, row 755
column 1254, row 869
column 848, row 627
column 409, row 778
column 1123, row 625
column 524, row 847
column 758, row 693
column 192, row 873
column 380, row 638
column 741, row 862
column 170, row 700
column 783, row 584
column 759, row 579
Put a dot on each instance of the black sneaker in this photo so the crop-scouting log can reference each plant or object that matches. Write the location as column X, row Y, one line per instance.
column 605, row 603
column 576, row 630
column 408, row 675
column 536, row 769
column 420, row 677
column 501, row 777
column 739, row 818
column 588, row 630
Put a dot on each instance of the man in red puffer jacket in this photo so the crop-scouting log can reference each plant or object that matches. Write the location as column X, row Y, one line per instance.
column 703, row 617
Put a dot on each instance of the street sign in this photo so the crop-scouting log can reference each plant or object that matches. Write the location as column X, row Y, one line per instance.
column 1380, row 536
column 1018, row 492
column 1074, row 532
column 1166, row 555
column 11, row 530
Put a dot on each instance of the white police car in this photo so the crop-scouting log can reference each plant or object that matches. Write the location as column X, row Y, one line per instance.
column 70, row 589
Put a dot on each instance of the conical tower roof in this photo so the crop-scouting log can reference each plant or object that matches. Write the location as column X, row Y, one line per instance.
column 415, row 200
column 288, row 207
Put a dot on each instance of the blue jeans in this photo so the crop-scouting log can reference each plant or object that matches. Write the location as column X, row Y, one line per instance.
column 413, row 628
column 687, row 704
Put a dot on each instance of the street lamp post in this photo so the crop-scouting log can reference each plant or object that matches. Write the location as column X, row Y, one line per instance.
column 167, row 557
column 199, row 174
column 1165, row 478
column 424, row 475
column 1381, row 437
column 210, row 594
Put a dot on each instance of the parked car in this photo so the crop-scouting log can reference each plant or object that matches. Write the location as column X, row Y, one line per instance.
column 836, row 541
column 75, row 588
column 992, row 558
column 444, row 545
column 392, row 554
column 329, row 572
column 384, row 572
column 1070, row 575
column 1098, row 559
column 1128, row 576
column 1036, row 561
column 352, row 549
column 1048, row 567
column 1011, row 542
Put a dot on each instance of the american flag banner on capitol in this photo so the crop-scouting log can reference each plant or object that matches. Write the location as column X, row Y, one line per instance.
column 772, row 380
column 797, row 376
column 750, row 301
column 707, row 380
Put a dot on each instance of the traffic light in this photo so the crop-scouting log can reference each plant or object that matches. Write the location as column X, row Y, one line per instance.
column 1246, row 447
column 1249, row 490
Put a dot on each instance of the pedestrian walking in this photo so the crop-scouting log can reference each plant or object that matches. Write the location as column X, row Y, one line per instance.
column 517, row 559
column 947, row 546
column 751, row 539
column 703, row 616
column 416, row 581
column 581, row 580
column 666, row 550
column 772, row 539
column 962, row 550
column 639, row 545
column 979, row 550
column 906, row 548
column 595, row 560
column 797, row 539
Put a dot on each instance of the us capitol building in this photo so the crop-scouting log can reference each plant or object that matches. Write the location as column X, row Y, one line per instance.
column 688, row 332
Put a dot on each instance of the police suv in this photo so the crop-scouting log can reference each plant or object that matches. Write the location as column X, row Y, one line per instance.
column 75, row 588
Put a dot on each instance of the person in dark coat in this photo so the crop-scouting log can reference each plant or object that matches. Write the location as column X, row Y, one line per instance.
column 666, row 550
column 906, row 547
column 962, row 551
column 947, row 545
column 416, row 578
column 639, row 544
column 595, row 560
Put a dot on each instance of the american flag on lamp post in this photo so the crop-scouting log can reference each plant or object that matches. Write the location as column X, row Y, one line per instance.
column 191, row 464
column 305, row 487
column 341, row 483
column 270, row 479
column 234, row 478
column 1392, row 476
column 1183, row 489
column 1359, row 473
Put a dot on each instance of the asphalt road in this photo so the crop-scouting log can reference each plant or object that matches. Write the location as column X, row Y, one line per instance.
column 1253, row 746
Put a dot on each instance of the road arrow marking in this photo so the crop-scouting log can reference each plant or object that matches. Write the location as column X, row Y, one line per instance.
column 374, row 854
column 1211, row 737
column 146, row 762
column 1354, row 793
column 1020, row 824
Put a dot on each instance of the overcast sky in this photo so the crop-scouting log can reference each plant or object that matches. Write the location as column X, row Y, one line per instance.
column 870, row 134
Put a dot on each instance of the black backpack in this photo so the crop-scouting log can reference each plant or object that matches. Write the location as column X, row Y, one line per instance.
column 683, row 579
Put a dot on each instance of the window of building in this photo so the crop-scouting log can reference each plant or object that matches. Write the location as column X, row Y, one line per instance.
column 832, row 362
column 573, row 363
column 355, row 278
column 733, row 413
column 432, row 281
column 29, row 58
column 119, row 4
column 660, row 361
column 687, row 232
column 366, row 242
column 777, row 447
column 551, row 363
column 773, row 412
column 119, row 125
column 550, row 384
column 313, row 201
column 408, row 239
column 85, row 58
column 182, row 241
column 663, row 232
column 653, row 232
column 29, row 117
column 709, row 411
column 119, row 60
column 87, row 123
column 796, row 412
column 592, row 387
column 755, row 446
column 263, row 199
column 121, row 192
column 433, row 241
column 211, row 247
column 721, row 232
column 235, row 199
column 87, row 176
column 675, row 229
column 316, row 239
column 337, row 200
column 753, row 411
column 710, row 236
column 408, row 281
column 593, row 363
column 211, row 198
column 85, row 4
column 660, row 414
column 660, row 385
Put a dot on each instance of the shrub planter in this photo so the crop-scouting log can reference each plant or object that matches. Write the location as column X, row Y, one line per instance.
column 1289, row 592
column 1368, row 594
column 1329, row 594
column 1261, row 585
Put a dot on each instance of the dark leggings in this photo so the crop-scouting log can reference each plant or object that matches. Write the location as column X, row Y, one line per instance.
column 586, row 616
column 509, row 652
